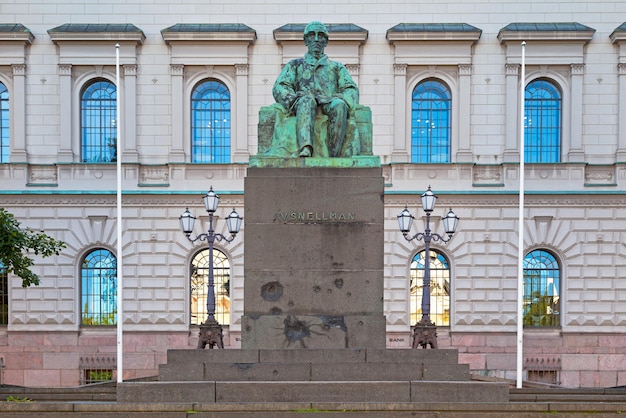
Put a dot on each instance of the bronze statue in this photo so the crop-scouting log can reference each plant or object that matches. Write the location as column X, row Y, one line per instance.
column 316, row 83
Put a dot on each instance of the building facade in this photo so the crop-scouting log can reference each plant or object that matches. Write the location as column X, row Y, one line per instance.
column 444, row 83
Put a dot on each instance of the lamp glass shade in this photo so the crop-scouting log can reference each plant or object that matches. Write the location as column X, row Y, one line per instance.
column 450, row 222
column 233, row 222
column 211, row 200
column 187, row 221
column 405, row 220
column 428, row 200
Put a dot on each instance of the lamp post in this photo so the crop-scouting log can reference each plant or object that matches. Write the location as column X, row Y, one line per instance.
column 425, row 331
column 210, row 330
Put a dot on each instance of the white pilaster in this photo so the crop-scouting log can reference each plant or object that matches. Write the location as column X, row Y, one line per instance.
column 68, row 152
column 511, row 141
column 401, row 144
column 19, row 153
column 129, row 109
column 575, row 153
column 239, row 131
column 461, row 119
column 177, row 150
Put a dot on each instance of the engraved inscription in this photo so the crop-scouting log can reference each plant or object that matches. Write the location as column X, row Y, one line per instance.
column 313, row 217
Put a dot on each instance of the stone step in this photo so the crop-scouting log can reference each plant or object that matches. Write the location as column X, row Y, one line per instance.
column 103, row 392
column 313, row 356
column 162, row 409
column 313, row 372
column 313, row 365
column 335, row 391
column 568, row 395
column 558, row 402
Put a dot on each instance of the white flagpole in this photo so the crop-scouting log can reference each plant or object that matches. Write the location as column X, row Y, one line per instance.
column 120, row 281
column 520, row 244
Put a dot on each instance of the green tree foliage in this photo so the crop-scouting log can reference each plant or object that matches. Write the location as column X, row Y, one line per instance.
column 16, row 245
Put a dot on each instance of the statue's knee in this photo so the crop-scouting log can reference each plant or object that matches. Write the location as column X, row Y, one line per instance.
column 306, row 103
column 337, row 107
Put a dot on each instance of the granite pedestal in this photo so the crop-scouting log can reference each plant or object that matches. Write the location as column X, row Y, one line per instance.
column 313, row 258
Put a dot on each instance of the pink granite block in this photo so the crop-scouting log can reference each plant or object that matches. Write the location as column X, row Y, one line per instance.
column 60, row 361
column 139, row 361
column 99, row 340
column 589, row 379
column 543, row 343
column 160, row 358
column 476, row 361
column 23, row 361
column 42, row 378
column 612, row 362
column 570, row 378
column 179, row 340
column 103, row 349
column 501, row 361
column 60, row 339
column 621, row 378
column 579, row 362
column 578, row 340
column 616, row 342
column 133, row 340
column 13, row 377
column 26, row 339
column 70, row 378
column 607, row 379
column 468, row 340
column 501, row 341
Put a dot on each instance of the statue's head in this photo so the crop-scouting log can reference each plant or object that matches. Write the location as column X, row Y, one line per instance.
column 315, row 27
column 316, row 38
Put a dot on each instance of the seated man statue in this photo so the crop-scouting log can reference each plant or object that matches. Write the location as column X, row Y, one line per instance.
column 308, row 87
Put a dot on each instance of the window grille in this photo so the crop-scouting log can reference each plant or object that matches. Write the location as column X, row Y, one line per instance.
column 543, row 370
column 97, row 369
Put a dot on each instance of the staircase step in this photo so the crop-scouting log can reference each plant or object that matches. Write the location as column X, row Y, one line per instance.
column 335, row 391
column 313, row 365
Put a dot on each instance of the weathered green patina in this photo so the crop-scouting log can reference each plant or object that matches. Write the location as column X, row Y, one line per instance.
column 317, row 115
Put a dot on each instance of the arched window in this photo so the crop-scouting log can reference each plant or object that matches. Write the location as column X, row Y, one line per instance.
column 98, row 275
column 4, row 295
column 98, row 118
column 439, row 288
column 199, row 287
column 541, row 289
column 542, row 129
column 430, row 123
column 4, row 124
column 210, row 123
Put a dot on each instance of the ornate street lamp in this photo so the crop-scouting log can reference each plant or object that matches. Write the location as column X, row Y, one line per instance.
column 210, row 330
column 425, row 331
